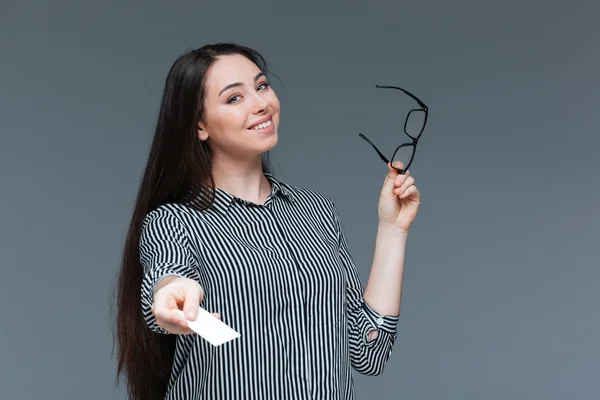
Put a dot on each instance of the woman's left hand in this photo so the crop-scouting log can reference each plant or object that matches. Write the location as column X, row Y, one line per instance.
column 399, row 200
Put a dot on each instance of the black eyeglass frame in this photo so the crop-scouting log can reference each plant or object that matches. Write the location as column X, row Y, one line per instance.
column 415, row 139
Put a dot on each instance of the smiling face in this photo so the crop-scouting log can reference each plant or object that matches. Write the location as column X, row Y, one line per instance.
column 241, row 111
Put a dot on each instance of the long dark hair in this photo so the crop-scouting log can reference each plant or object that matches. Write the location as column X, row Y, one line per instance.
column 178, row 169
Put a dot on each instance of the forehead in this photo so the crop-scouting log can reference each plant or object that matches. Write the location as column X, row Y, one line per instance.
column 229, row 69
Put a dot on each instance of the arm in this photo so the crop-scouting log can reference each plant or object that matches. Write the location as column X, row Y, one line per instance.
column 372, row 328
column 384, row 288
column 164, row 254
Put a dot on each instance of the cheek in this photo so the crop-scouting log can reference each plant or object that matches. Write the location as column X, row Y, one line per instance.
column 275, row 106
column 274, row 101
column 232, row 119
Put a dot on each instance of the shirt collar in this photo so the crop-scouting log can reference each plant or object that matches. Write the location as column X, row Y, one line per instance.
column 223, row 200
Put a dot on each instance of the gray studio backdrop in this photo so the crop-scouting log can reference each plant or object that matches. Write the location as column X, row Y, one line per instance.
column 500, row 293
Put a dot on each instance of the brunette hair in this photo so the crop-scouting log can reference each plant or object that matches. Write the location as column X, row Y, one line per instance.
column 178, row 167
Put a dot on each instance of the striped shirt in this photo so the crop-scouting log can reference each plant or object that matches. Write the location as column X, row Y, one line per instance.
column 282, row 275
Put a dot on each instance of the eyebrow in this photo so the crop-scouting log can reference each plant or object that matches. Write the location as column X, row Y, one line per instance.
column 231, row 85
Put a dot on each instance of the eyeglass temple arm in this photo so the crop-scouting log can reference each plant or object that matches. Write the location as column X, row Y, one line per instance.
column 375, row 147
column 405, row 91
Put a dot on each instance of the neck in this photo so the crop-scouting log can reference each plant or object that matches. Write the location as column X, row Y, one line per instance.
column 243, row 179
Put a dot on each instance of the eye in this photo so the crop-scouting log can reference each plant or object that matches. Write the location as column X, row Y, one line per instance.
column 232, row 98
column 265, row 85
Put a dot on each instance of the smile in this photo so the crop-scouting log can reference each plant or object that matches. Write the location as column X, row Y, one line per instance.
column 262, row 126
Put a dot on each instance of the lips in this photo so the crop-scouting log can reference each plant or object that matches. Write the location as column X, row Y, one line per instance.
column 260, row 121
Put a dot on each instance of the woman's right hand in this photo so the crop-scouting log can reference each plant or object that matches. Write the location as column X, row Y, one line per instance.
column 177, row 293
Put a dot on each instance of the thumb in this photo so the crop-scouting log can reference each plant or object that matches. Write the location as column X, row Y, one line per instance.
column 193, row 297
column 388, row 184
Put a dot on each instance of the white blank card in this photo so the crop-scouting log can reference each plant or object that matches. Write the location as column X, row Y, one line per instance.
column 211, row 328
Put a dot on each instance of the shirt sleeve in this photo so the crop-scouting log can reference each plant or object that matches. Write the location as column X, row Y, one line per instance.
column 367, row 357
column 164, row 251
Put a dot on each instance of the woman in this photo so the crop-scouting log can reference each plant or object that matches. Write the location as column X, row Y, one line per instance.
column 213, row 228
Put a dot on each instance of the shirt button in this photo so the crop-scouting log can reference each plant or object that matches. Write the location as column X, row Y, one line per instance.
column 379, row 321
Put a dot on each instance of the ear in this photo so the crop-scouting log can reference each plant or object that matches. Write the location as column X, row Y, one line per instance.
column 202, row 133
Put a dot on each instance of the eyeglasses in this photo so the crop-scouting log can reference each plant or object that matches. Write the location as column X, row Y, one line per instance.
column 413, row 127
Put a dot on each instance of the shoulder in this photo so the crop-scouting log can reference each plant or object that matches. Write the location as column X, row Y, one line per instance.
column 169, row 215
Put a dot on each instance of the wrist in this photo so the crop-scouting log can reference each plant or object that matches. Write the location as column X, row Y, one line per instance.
column 165, row 281
column 392, row 229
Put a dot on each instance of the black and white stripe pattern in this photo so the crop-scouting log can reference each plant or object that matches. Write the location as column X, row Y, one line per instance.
column 280, row 274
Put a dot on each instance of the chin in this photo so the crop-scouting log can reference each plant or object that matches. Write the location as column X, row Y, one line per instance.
column 263, row 145
column 269, row 142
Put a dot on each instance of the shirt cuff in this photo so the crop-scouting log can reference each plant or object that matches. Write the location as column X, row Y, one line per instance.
column 386, row 323
column 157, row 281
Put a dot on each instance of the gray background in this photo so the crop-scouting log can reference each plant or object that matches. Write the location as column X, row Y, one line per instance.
column 500, row 295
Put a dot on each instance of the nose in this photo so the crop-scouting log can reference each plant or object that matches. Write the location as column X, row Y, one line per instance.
column 260, row 104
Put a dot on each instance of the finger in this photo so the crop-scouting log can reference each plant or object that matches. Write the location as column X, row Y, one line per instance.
column 392, row 173
column 171, row 321
column 411, row 191
column 182, row 327
column 390, row 178
column 178, row 329
column 164, row 302
column 400, row 178
column 165, row 316
column 408, row 181
column 193, row 296
column 396, row 164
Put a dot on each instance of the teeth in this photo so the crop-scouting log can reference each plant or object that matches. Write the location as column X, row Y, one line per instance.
column 262, row 126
